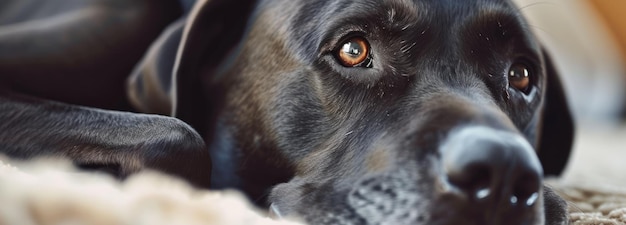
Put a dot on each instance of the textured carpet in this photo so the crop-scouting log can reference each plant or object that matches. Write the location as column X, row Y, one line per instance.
column 594, row 183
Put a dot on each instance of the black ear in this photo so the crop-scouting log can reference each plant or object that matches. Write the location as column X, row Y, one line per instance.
column 149, row 86
column 557, row 130
column 213, row 31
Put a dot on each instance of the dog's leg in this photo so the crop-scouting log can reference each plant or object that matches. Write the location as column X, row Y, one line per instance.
column 119, row 142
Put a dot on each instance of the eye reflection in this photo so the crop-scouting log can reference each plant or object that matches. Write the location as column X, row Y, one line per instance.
column 354, row 52
column 519, row 77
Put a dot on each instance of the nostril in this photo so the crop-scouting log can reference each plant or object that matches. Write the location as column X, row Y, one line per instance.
column 532, row 199
column 526, row 190
column 475, row 180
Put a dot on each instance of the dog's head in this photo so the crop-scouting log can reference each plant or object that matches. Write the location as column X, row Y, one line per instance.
column 377, row 111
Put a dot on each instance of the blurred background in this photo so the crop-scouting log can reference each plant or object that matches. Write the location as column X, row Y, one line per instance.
column 587, row 41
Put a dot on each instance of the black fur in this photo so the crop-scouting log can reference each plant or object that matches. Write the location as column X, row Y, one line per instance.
column 291, row 127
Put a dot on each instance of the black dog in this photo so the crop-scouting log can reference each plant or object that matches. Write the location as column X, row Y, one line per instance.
column 350, row 112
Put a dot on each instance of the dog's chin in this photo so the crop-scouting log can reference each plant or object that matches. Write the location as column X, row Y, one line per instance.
column 321, row 205
column 554, row 208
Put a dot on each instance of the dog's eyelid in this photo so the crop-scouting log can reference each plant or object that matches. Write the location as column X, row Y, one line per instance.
column 331, row 40
column 527, row 55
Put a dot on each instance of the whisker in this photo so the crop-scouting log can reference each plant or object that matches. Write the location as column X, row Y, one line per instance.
column 536, row 4
column 537, row 28
column 571, row 204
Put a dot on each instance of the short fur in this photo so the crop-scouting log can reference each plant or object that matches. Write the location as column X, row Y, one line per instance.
column 293, row 128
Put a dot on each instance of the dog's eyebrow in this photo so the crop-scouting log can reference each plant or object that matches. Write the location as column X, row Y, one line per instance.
column 391, row 17
column 400, row 9
column 500, row 29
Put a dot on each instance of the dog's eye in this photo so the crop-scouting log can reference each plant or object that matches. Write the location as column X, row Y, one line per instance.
column 519, row 77
column 355, row 52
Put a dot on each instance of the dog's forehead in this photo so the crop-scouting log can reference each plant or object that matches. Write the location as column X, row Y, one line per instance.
column 311, row 20
column 409, row 8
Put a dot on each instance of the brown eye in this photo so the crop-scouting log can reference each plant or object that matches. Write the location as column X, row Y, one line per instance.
column 354, row 52
column 519, row 77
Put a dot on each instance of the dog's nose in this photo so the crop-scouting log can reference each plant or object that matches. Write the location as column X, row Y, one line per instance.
column 498, row 169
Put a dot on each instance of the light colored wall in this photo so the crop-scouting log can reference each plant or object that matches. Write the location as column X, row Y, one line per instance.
column 613, row 13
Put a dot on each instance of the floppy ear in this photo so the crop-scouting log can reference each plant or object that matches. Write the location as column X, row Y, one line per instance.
column 557, row 129
column 212, row 33
column 149, row 86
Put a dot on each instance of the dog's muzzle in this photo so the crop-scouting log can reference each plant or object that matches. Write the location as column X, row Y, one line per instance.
column 458, row 162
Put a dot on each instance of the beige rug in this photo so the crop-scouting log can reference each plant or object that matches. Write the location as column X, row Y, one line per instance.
column 594, row 185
